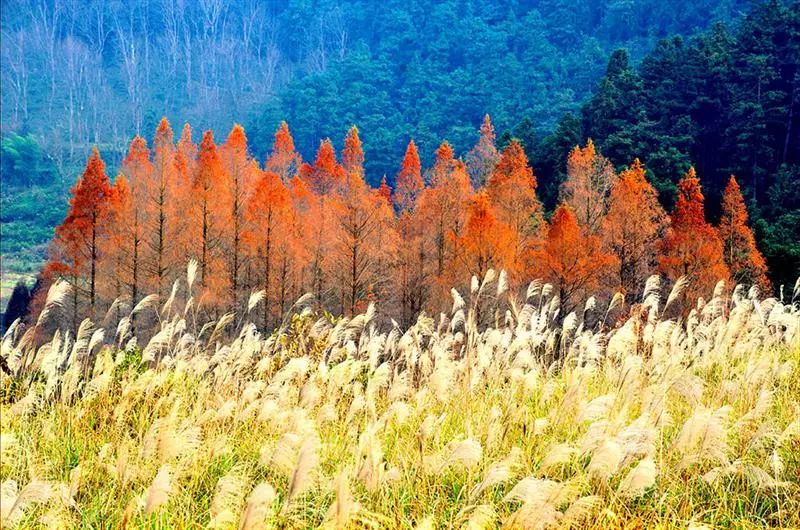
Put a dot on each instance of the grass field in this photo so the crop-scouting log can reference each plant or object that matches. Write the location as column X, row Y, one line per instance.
column 529, row 423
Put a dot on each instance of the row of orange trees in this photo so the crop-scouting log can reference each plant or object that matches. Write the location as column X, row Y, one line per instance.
column 289, row 227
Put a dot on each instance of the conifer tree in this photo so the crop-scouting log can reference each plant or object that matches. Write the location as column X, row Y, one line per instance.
column 325, row 179
column 440, row 216
column 211, row 213
column 744, row 261
column 512, row 191
column 384, row 191
column 75, row 251
column 443, row 164
column 353, row 154
column 271, row 240
column 412, row 270
column 283, row 160
column 632, row 228
column 408, row 184
column 572, row 259
column 132, row 219
column 239, row 169
column 485, row 242
column 692, row 247
column 482, row 159
column 161, row 218
column 117, row 246
column 590, row 177
column 326, row 176
column 363, row 222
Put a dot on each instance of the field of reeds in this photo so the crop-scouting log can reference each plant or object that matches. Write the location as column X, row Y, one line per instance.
column 500, row 414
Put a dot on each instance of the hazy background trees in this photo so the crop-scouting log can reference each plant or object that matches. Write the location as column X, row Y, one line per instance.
column 723, row 94
column 96, row 72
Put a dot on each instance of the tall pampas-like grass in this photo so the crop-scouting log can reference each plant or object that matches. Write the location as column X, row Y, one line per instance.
column 56, row 297
column 159, row 491
column 504, row 412
column 303, row 476
column 258, row 507
column 639, row 479
column 14, row 503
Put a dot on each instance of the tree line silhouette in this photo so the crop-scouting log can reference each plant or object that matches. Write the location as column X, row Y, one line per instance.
column 289, row 226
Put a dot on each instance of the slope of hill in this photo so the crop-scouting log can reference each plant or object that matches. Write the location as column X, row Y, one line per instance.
column 403, row 70
column 79, row 74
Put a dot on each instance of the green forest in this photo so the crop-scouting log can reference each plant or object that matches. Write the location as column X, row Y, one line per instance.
column 714, row 84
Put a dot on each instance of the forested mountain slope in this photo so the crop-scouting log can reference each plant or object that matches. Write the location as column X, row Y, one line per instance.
column 724, row 97
column 99, row 72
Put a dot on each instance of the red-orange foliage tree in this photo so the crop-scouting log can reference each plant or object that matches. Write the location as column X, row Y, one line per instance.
column 131, row 220
column 284, row 160
column 412, row 274
column 211, row 213
column 443, row 165
column 326, row 176
column 75, row 251
column 325, row 180
column 184, row 202
column 512, row 190
column 363, row 220
column 485, row 242
column 571, row 259
column 353, row 154
column 116, row 246
column 160, row 190
column 239, row 172
column 440, row 215
column 482, row 159
column 744, row 261
column 320, row 228
column 590, row 177
column 307, row 209
column 408, row 184
column 692, row 247
column 632, row 228
column 384, row 191
column 272, row 241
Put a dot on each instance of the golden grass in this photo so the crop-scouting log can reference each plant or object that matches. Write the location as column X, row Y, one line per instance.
column 531, row 424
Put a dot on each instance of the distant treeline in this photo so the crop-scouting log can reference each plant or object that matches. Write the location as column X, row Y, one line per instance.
column 726, row 100
column 78, row 74
column 264, row 235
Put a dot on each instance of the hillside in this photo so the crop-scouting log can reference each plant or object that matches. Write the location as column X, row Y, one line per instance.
column 99, row 72
column 339, row 264
column 547, row 73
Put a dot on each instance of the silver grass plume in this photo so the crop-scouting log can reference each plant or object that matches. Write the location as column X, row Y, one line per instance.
column 56, row 296
column 159, row 491
column 191, row 272
column 148, row 301
column 680, row 284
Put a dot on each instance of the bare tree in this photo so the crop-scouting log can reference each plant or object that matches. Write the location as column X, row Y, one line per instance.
column 15, row 74
column 132, row 57
column 78, row 72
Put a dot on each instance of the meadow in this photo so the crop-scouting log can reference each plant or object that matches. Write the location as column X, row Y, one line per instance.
column 503, row 413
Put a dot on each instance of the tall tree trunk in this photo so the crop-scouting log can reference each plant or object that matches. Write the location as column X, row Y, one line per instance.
column 93, row 266
column 204, row 244
column 267, row 286
column 162, row 222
